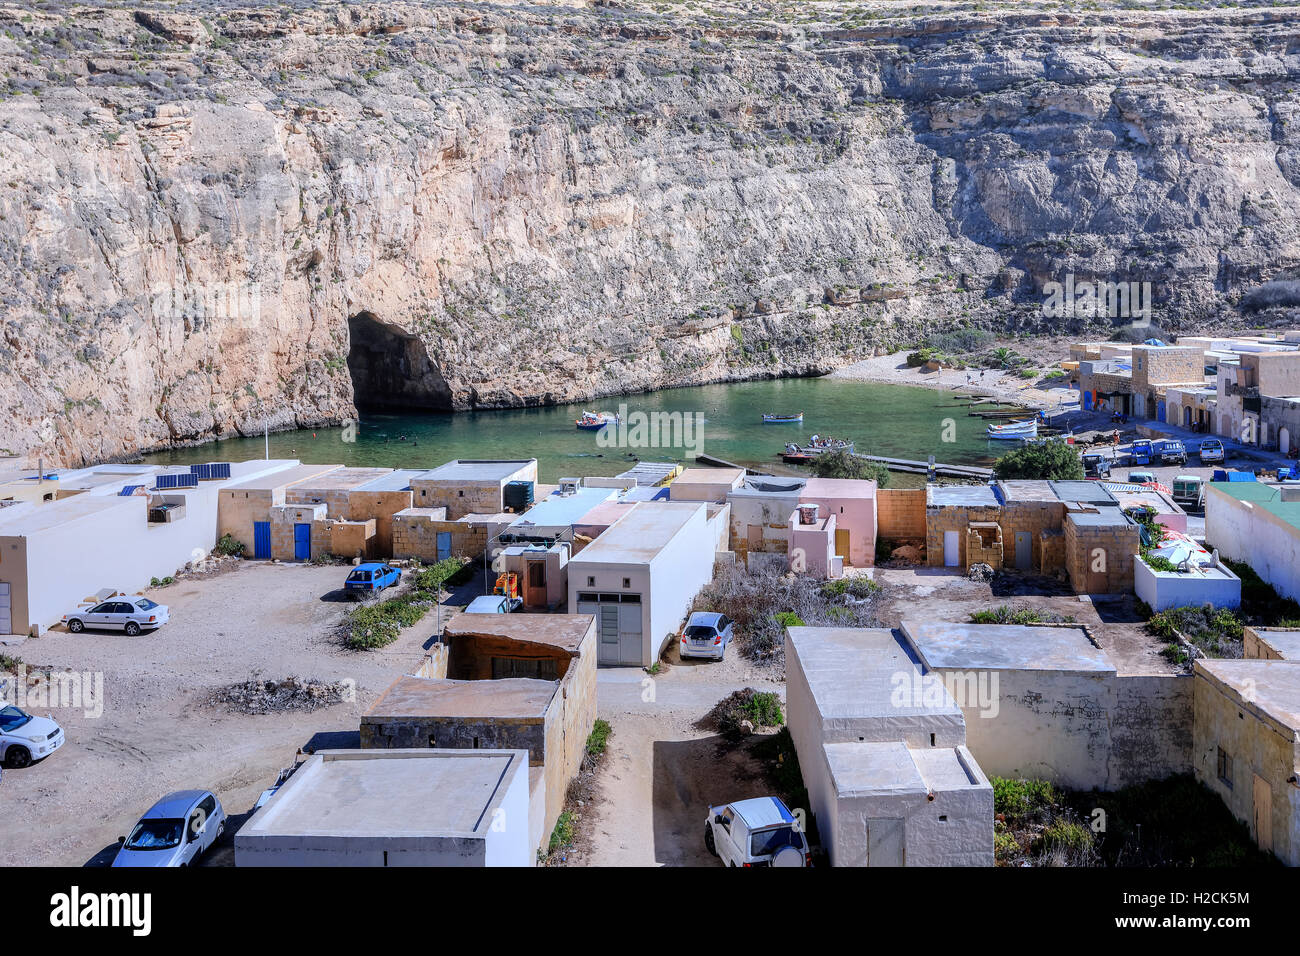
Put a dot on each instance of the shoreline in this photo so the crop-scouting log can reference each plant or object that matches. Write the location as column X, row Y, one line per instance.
column 1007, row 387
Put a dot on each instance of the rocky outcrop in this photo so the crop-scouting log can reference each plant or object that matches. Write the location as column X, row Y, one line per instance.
column 201, row 211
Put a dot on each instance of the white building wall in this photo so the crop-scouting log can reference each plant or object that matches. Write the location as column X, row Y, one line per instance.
column 1265, row 542
column 677, row 573
column 1166, row 589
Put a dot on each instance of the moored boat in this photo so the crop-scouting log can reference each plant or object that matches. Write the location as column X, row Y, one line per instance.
column 818, row 445
column 772, row 419
column 594, row 421
column 1014, row 431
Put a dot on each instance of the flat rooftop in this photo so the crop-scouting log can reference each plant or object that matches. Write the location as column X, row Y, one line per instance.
column 396, row 480
column 1104, row 517
column 709, row 476
column 641, row 534
column 291, row 475
column 606, row 513
column 1270, row 688
column 961, row 496
column 1260, row 495
column 1011, row 647
column 839, row 488
column 342, row 479
column 20, row 522
column 1283, row 640
column 651, row 473
column 390, row 793
column 1086, row 492
column 1017, row 490
column 521, row 699
column 476, row 469
column 852, row 672
column 757, row 485
column 864, row 768
column 560, row 511
column 558, row 630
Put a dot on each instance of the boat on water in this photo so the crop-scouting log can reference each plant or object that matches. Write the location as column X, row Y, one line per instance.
column 1014, row 431
column 771, row 419
column 594, row 421
column 817, row 446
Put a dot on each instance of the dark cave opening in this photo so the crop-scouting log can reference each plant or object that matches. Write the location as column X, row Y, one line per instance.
column 391, row 370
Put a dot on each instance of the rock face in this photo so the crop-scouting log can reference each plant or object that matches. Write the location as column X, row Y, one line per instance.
column 213, row 217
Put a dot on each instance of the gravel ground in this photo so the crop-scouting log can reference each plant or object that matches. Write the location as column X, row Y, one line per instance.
column 158, row 734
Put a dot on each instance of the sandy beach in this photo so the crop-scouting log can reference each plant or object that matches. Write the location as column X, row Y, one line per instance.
column 1008, row 387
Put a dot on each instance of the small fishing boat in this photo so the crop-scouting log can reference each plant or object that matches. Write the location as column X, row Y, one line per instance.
column 594, row 421
column 818, row 445
column 796, row 457
column 1014, row 431
column 770, row 419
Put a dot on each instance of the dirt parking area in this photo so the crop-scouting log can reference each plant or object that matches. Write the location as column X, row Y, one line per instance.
column 156, row 733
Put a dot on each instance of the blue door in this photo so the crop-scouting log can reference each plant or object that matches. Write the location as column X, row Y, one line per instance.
column 301, row 542
column 262, row 540
column 1160, row 411
column 444, row 545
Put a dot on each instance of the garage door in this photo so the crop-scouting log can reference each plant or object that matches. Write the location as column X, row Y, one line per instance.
column 618, row 626
column 6, row 622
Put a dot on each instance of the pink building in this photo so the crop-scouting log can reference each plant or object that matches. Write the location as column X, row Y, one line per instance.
column 812, row 543
column 852, row 503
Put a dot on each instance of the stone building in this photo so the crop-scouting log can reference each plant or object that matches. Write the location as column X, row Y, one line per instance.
column 961, row 526
column 470, row 486
column 507, row 682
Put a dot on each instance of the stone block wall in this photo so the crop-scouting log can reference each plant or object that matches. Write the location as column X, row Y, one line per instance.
column 900, row 514
column 1051, row 551
column 1099, row 558
column 939, row 519
column 1034, row 517
column 283, row 519
column 984, row 546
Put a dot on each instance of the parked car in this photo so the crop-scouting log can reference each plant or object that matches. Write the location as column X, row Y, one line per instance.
column 371, row 578
column 493, row 604
column 175, row 831
column 1212, row 452
column 1170, row 452
column 756, row 832
column 1096, row 465
column 129, row 613
column 24, row 738
column 1140, row 452
column 705, row 635
column 1142, row 477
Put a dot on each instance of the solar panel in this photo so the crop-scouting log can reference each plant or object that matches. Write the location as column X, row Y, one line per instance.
column 128, row 490
column 211, row 471
column 177, row 481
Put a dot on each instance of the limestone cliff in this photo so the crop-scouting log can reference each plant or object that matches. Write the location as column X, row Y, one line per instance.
column 215, row 215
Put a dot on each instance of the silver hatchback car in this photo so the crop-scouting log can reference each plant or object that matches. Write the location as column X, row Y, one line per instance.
column 706, row 634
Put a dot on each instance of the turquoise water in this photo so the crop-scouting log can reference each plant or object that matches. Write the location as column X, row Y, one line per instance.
column 891, row 420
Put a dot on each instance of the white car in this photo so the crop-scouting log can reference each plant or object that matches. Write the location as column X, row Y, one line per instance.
column 129, row 613
column 757, row 832
column 24, row 738
column 175, row 831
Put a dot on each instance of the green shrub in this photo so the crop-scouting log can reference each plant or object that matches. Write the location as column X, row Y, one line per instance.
column 599, row 737
column 1052, row 460
column 1005, row 614
column 564, row 831
column 760, row 708
column 229, row 547
column 788, row 619
column 842, row 464
column 1019, row 800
